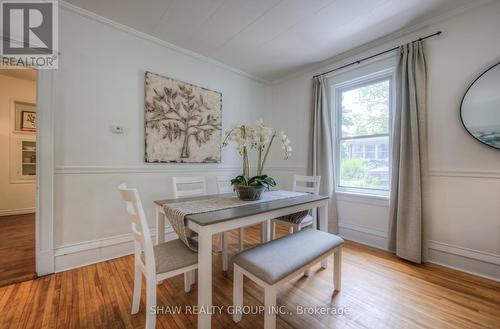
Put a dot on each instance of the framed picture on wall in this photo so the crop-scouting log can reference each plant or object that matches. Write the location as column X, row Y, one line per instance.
column 182, row 121
column 28, row 121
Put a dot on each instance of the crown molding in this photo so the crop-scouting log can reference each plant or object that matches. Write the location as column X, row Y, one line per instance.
column 371, row 47
column 145, row 36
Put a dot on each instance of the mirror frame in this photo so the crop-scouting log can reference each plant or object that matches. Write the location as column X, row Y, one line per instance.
column 462, row 104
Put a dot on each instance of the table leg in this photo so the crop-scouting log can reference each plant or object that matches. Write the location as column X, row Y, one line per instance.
column 263, row 228
column 204, row 279
column 323, row 226
column 265, row 231
column 268, row 230
column 160, row 225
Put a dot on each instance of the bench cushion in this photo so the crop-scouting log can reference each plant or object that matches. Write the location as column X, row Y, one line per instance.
column 276, row 259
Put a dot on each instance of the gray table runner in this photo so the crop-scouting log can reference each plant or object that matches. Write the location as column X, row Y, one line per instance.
column 176, row 212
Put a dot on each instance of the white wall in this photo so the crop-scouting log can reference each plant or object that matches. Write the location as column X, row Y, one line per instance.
column 100, row 82
column 462, row 225
column 20, row 197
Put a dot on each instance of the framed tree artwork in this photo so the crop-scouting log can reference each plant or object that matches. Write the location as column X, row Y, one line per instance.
column 182, row 121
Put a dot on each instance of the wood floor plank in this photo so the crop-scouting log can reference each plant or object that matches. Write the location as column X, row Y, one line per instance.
column 379, row 291
column 17, row 248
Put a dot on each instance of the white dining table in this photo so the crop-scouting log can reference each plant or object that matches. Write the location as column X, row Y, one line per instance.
column 209, row 223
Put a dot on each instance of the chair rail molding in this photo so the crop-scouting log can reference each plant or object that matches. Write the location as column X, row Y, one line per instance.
column 160, row 168
column 466, row 173
column 165, row 168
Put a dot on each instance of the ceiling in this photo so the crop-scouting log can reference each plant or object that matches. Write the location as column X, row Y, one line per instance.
column 268, row 38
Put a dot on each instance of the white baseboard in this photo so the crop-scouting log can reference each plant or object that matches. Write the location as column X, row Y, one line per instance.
column 471, row 261
column 468, row 260
column 80, row 254
column 365, row 235
column 476, row 262
column 20, row 211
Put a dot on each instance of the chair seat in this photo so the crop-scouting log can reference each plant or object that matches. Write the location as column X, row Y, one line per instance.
column 173, row 255
column 295, row 220
column 276, row 259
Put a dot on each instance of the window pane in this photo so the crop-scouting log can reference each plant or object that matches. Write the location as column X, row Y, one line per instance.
column 382, row 151
column 357, row 151
column 370, row 151
column 365, row 110
column 364, row 169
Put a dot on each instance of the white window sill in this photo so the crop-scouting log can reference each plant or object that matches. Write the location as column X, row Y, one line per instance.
column 377, row 200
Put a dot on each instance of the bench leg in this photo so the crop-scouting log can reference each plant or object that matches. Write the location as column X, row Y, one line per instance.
column 237, row 294
column 273, row 230
column 263, row 228
column 337, row 269
column 270, row 308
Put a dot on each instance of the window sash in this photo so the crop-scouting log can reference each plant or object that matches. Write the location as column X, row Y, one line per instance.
column 362, row 190
column 355, row 84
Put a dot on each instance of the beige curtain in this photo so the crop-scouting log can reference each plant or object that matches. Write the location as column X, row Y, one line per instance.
column 409, row 149
column 322, row 163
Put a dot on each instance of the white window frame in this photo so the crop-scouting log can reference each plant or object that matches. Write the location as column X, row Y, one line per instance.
column 335, row 90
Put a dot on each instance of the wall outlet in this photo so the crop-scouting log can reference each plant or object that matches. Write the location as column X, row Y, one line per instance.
column 115, row 129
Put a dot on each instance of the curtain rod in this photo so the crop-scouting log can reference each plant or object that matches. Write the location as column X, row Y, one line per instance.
column 376, row 55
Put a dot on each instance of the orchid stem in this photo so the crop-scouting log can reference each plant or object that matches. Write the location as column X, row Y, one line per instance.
column 265, row 155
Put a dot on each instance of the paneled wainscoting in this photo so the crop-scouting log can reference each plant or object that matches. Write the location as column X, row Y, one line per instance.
column 379, row 291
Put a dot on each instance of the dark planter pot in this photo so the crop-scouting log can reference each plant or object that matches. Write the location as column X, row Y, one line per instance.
column 249, row 193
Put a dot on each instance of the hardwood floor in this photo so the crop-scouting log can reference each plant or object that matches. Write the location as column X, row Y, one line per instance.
column 379, row 291
column 17, row 248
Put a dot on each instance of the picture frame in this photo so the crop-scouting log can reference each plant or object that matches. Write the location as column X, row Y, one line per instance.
column 183, row 121
column 28, row 121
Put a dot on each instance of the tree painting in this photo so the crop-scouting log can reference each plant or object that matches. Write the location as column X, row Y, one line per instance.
column 183, row 121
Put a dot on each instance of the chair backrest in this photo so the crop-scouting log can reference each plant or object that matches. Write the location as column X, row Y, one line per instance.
column 224, row 184
column 303, row 184
column 196, row 186
column 140, row 229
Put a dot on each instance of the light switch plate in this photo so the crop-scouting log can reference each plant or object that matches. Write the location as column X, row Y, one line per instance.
column 115, row 129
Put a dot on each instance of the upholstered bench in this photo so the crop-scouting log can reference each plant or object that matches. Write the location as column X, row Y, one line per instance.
column 274, row 263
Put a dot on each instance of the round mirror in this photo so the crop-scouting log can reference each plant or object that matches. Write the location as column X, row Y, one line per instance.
column 480, row 109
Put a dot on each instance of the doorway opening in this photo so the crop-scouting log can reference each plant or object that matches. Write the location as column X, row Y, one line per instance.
column 18, row 169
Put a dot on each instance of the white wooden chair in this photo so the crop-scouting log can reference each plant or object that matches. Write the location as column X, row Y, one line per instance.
column 300, row 184
column 224, row 186
column 197, row 186
column 156, row 263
